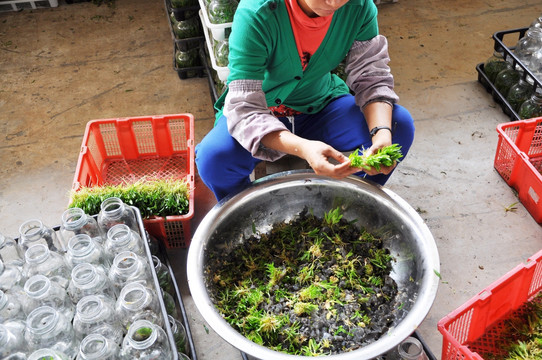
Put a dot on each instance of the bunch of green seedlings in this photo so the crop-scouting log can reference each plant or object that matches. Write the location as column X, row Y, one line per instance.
column 385, row 156
column 153, row 197
column 312, row 286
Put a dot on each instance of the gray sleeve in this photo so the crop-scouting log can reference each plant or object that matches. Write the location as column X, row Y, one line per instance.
column 249, row 119
column 368, row 73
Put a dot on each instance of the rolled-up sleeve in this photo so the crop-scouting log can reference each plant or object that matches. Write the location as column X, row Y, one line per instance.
column 249, row 119
column 368, row 73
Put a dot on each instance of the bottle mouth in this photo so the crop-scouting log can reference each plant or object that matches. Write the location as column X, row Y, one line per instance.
column 37, row 286
column 36, row 254
column 94, row 346
column 90, row 307
column 112, row 206
column 142, row 334
column 42, row 320
column 126, row 261
column 84, row 273
column 31, row 229
column 134, row 296
column 80, row 245
column 119, row 235
column 73, row 218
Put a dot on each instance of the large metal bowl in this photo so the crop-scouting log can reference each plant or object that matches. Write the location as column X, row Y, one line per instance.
column 281, row 197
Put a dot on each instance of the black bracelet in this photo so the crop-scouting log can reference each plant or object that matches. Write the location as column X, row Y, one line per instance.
column 377, row 128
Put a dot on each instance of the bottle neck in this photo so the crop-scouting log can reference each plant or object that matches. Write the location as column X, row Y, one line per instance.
column 36, row 254
column 127, row 263
column 80, row 246
column 135, row 296
column 112, row 208
column 93, row 346
column 38, row 286
column 74, row 219
column 42, row 320
column 32, row 230
column 120, row 235
column 90, row 307
column 142, row 335
column 84, row 274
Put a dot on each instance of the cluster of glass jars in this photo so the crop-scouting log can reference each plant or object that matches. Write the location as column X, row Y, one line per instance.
column 85, row 291
column 522, row 92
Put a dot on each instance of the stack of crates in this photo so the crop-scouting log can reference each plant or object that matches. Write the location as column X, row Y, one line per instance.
column 187, row 34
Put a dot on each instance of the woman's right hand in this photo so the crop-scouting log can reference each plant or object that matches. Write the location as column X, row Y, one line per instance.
column 325, row 160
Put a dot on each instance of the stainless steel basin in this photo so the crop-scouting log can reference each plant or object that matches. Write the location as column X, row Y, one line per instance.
column 281, row 197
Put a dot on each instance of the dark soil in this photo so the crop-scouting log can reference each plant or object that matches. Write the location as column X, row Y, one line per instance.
column 309, row 287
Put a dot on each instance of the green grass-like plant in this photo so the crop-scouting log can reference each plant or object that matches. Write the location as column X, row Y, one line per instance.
column 382, row 157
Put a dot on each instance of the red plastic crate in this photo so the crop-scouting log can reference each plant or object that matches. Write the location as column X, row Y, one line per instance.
column 519, row 161
column 114, row 150
column 477, row 327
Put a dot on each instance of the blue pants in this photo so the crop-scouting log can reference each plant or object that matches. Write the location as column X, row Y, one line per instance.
column 225, row 166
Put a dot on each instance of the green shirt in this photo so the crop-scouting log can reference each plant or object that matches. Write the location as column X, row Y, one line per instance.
column 262, row 47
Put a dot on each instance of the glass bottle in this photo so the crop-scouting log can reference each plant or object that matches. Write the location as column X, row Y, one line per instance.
column 188, row 28
column 533, row 107
column 145, row 340
column 221, row 51
column 41, row 261
column 187, row 59
column 179, row 335
column 221, row 11
column 519, row 93
column 537, row 23
column 89, row 279
column 34, row 231
column 121, row 238
column 169, row 302
column 48, row 354
column 10, row 308
column 505, row 79
column 41, row 291
column 12, row 344
column 183, row 356
column 114, row 211
column 494, row 65
column 10, row 252
column 411, row 349
column 164, row 276
column 75, row 221
column 98, row 347
column 10, row 277
column 137, row 301
column 527, row 45
column 83, row 249
column 95, row 314
column 128, row 267
column 536, row 64
column 49, row 328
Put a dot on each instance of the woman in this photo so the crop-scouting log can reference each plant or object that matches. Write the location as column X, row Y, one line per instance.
column 282, row 98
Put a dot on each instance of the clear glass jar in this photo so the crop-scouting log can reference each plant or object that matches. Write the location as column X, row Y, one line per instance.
column 95, row 314
column 505, row 79
column 527, row 45
column 411, row 349
column 75, row 221
column 494, row 65
column 188, row 28
column 221, row 51
column 137, row 301
column 164, row 275
column 89, row 279
column 114, row 211
column 169, row 302
column 12, row 344
column 83, row 249
column 41, row 291
column 533, row 107
column 145, row 340
column 182, row 356
column 121, row 238
column 98, row 347
column 128, row 267
column 537, row 23
column 36, row 232
column 48, row 354
column 221, row 11
column 10, row 277
column 49, row 328
column 10, row 252
column 179, row 334
column 10, row 308
column 41, row 261
column 519, row 93
column 536, row 64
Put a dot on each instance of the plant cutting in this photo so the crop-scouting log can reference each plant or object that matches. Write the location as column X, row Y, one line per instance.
column 312, row 286
column 385, row 156
column 153, row 197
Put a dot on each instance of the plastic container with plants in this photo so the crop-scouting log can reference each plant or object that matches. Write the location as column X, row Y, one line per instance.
column 312, row 286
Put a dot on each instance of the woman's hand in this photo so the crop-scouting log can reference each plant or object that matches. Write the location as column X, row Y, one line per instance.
column 325, row 160
column 381, row 139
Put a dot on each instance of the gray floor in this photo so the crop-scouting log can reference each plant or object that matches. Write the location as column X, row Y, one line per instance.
column 61, row 67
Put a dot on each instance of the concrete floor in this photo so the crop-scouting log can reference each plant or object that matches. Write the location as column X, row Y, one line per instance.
column 62, row 67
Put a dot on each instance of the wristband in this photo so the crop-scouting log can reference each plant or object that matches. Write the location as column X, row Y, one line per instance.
column 377, row 128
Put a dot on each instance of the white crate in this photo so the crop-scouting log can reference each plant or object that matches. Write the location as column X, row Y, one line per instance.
column 218, row 31
column 16, row 5
column 221, row 71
